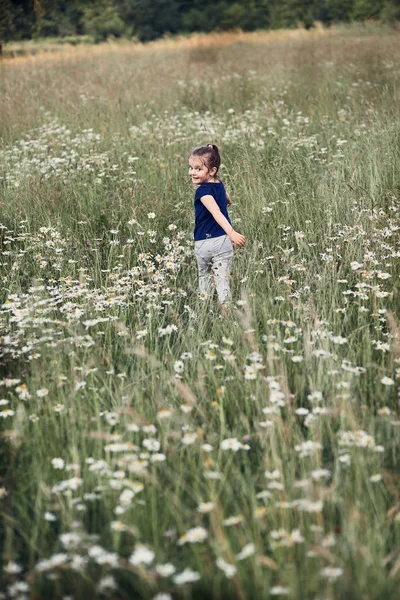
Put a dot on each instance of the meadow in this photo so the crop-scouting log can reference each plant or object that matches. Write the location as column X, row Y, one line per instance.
column 150, row 448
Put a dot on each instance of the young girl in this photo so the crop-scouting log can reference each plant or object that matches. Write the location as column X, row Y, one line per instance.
column 213, row 231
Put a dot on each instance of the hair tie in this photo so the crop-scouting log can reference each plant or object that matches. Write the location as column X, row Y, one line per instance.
column 210, row 145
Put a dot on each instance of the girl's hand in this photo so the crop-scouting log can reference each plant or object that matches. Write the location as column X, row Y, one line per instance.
column 237, row 238
column 228, row 199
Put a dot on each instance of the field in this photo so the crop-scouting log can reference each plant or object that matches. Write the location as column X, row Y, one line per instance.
column 151, row 448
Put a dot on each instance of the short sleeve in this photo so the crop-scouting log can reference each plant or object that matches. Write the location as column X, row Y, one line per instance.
column 205, row 189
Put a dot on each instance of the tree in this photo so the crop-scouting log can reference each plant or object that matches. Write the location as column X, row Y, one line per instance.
column 332, row 11
column 5, row 23
column 156, row 17
column 366, row 9
column 390, row 12
column 102, row 20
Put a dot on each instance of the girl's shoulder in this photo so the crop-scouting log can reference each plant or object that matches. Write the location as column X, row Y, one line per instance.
column 212, row 188
column 217, row 185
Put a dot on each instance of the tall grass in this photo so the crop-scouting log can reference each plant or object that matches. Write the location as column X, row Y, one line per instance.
column 132, row 413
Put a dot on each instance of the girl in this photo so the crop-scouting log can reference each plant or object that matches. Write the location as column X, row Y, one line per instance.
column 213, row 231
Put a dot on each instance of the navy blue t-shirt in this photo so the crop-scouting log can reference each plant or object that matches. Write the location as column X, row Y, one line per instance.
column 205, row 225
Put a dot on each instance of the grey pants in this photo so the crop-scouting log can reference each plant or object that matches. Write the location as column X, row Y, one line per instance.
column 214, row 258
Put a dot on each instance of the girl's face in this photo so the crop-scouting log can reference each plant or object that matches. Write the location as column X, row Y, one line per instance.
column 199, row 172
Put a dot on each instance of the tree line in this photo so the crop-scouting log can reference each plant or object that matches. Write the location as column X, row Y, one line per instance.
column 149, row 19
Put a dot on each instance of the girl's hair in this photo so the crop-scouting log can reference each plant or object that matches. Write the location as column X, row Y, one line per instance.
column 210, row 155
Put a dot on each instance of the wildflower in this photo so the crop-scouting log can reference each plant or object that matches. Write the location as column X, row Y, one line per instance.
column 320, row 474
column 357, row 438
column 187, row 576
column 70, row 540
column 246, row 551
column 151, row 444
column 22, row 392
column 355, row 265
column 250, row 372
column 9, row 382
column 126, row 498
column 229, row 569
column 112, row 418
column 142, row 555
column 234, row 520
column 297, row 359
column 133, row 427
column 331, row 573
column 12, row 568
column 165, row 570
column 164, row 413
column 273, row 474
column 375, row 478
column 7, row 412
column 309, row 507
column 345, row 459
column 150, row 429
column 54, row 561
column 106, row 584
column 189, row 438
column 151, row 215
column 387, row 381
column 278, row 590
column 207, row 447
column 276, row 485
column 231, row 444
column 42, row 393
column 308, row 448
column 281, row 537
column 48, row 516
column 193, row 536
column 205, row 507
column 102, row 557
column 58, row 463
column 167, row 330
column 179, row 366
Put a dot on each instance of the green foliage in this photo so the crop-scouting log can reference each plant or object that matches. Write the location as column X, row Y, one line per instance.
column 150, row 19
column 390, row 12
column 102, row 20
column 367, row 9
column 153, row 18
column 334, row 11
column 6, row 23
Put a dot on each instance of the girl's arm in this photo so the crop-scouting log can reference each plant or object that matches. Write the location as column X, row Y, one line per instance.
column 212, row 206
column 229, row 201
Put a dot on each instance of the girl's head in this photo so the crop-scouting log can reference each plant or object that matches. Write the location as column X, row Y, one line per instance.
column 204, row 163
